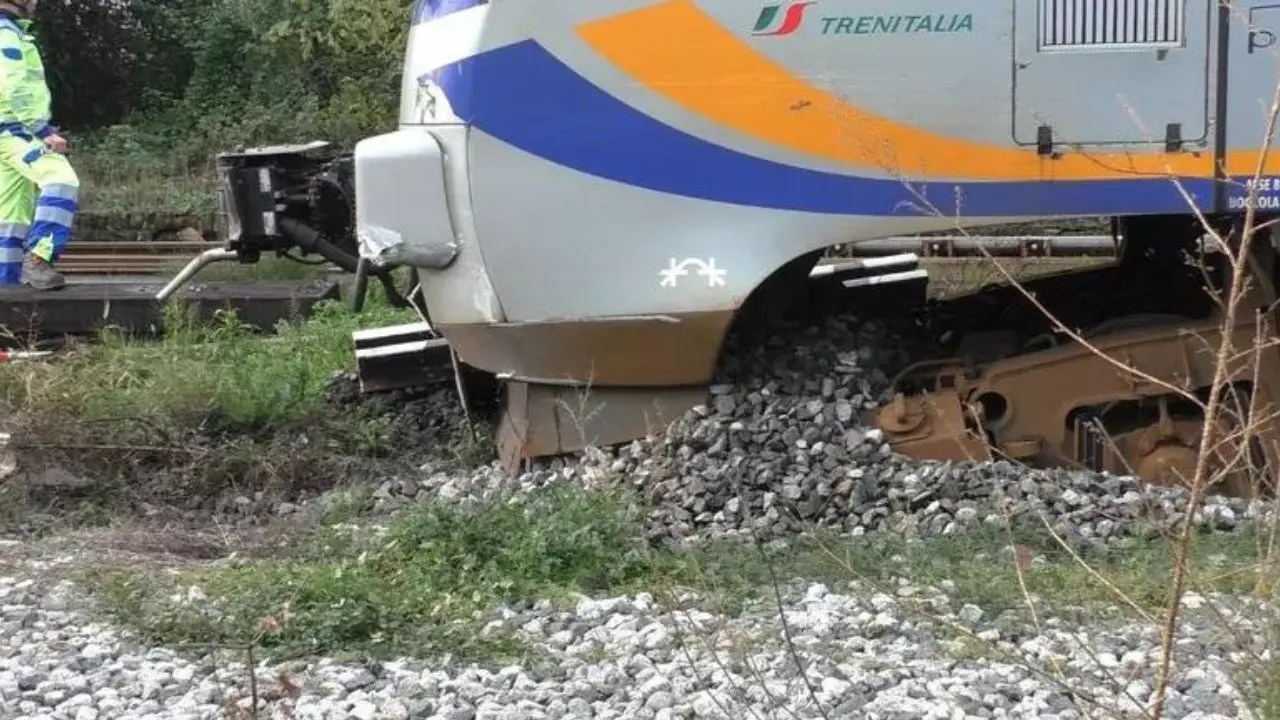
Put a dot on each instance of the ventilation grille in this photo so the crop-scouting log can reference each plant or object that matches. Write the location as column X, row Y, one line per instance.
column 1110, row 23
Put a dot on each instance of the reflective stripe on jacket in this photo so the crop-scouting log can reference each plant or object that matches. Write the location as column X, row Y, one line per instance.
column 25, row 101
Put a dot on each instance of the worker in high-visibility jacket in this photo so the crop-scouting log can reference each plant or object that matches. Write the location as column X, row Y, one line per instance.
column 39, row 190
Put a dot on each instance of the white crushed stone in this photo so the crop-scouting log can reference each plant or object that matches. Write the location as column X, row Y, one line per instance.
column 866, row 654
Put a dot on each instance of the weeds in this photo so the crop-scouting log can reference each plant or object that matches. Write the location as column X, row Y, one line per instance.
column 210, row 413
column 268, row 267
column 347, row 505
column 120, row 183
column 429, row 582
column 423, row 585
column 221, row 378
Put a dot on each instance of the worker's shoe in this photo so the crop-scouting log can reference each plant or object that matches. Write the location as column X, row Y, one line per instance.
column 40, row 275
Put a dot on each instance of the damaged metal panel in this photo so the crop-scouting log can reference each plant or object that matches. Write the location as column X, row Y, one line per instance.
column 403, row 217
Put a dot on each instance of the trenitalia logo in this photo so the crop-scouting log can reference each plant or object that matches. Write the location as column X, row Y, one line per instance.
column 774, row 20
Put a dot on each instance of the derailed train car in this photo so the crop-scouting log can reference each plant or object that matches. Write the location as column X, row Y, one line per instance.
column 593, row 191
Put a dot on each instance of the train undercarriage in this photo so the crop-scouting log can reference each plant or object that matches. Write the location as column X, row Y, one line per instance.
column 1030, row 373
column 1120, row 381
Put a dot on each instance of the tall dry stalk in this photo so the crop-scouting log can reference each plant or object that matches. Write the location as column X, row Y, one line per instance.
column 1239, row 261
column 1237, row 250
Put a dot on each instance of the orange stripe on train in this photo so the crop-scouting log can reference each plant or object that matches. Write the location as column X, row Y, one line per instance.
column 679, row 52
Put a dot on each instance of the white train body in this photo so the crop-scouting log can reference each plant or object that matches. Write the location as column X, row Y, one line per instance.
column 591, row 190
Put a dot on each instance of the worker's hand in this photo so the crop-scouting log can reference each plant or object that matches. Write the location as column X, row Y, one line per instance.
column 56, row 143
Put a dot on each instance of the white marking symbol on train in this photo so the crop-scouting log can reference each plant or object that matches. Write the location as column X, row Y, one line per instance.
column 706, row 268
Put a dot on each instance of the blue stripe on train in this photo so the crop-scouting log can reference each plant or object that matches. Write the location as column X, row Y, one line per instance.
column 428, row 10
column 525, row 96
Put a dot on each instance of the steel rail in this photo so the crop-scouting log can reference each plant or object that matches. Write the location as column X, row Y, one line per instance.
column 149, row 257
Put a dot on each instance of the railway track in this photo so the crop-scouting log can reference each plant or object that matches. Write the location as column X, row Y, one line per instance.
column 128, row 257
column 151, row 257
column 879, row 274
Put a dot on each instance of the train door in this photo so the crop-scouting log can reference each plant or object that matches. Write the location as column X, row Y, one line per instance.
column 1252, row 55
column 1111, row 72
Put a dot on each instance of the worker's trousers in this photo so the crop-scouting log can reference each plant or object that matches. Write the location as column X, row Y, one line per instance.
column 39, row 196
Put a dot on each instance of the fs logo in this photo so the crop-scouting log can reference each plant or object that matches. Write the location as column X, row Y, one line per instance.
column 774, row 20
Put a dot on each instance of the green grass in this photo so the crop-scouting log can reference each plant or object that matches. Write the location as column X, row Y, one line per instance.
column 983, row 573
column 219, row 377
column 268, row 267
column 208, row 413
column 426, row 585
column 419, row 586
column 118, row 183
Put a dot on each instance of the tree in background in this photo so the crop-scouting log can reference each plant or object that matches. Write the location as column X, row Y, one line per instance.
column 108, row 58
column 191, row 77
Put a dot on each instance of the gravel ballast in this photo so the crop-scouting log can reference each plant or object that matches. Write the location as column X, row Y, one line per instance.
column 777, row 451
column 866, row 654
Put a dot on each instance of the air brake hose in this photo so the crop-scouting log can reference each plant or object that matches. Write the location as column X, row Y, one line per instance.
column 306, row 237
